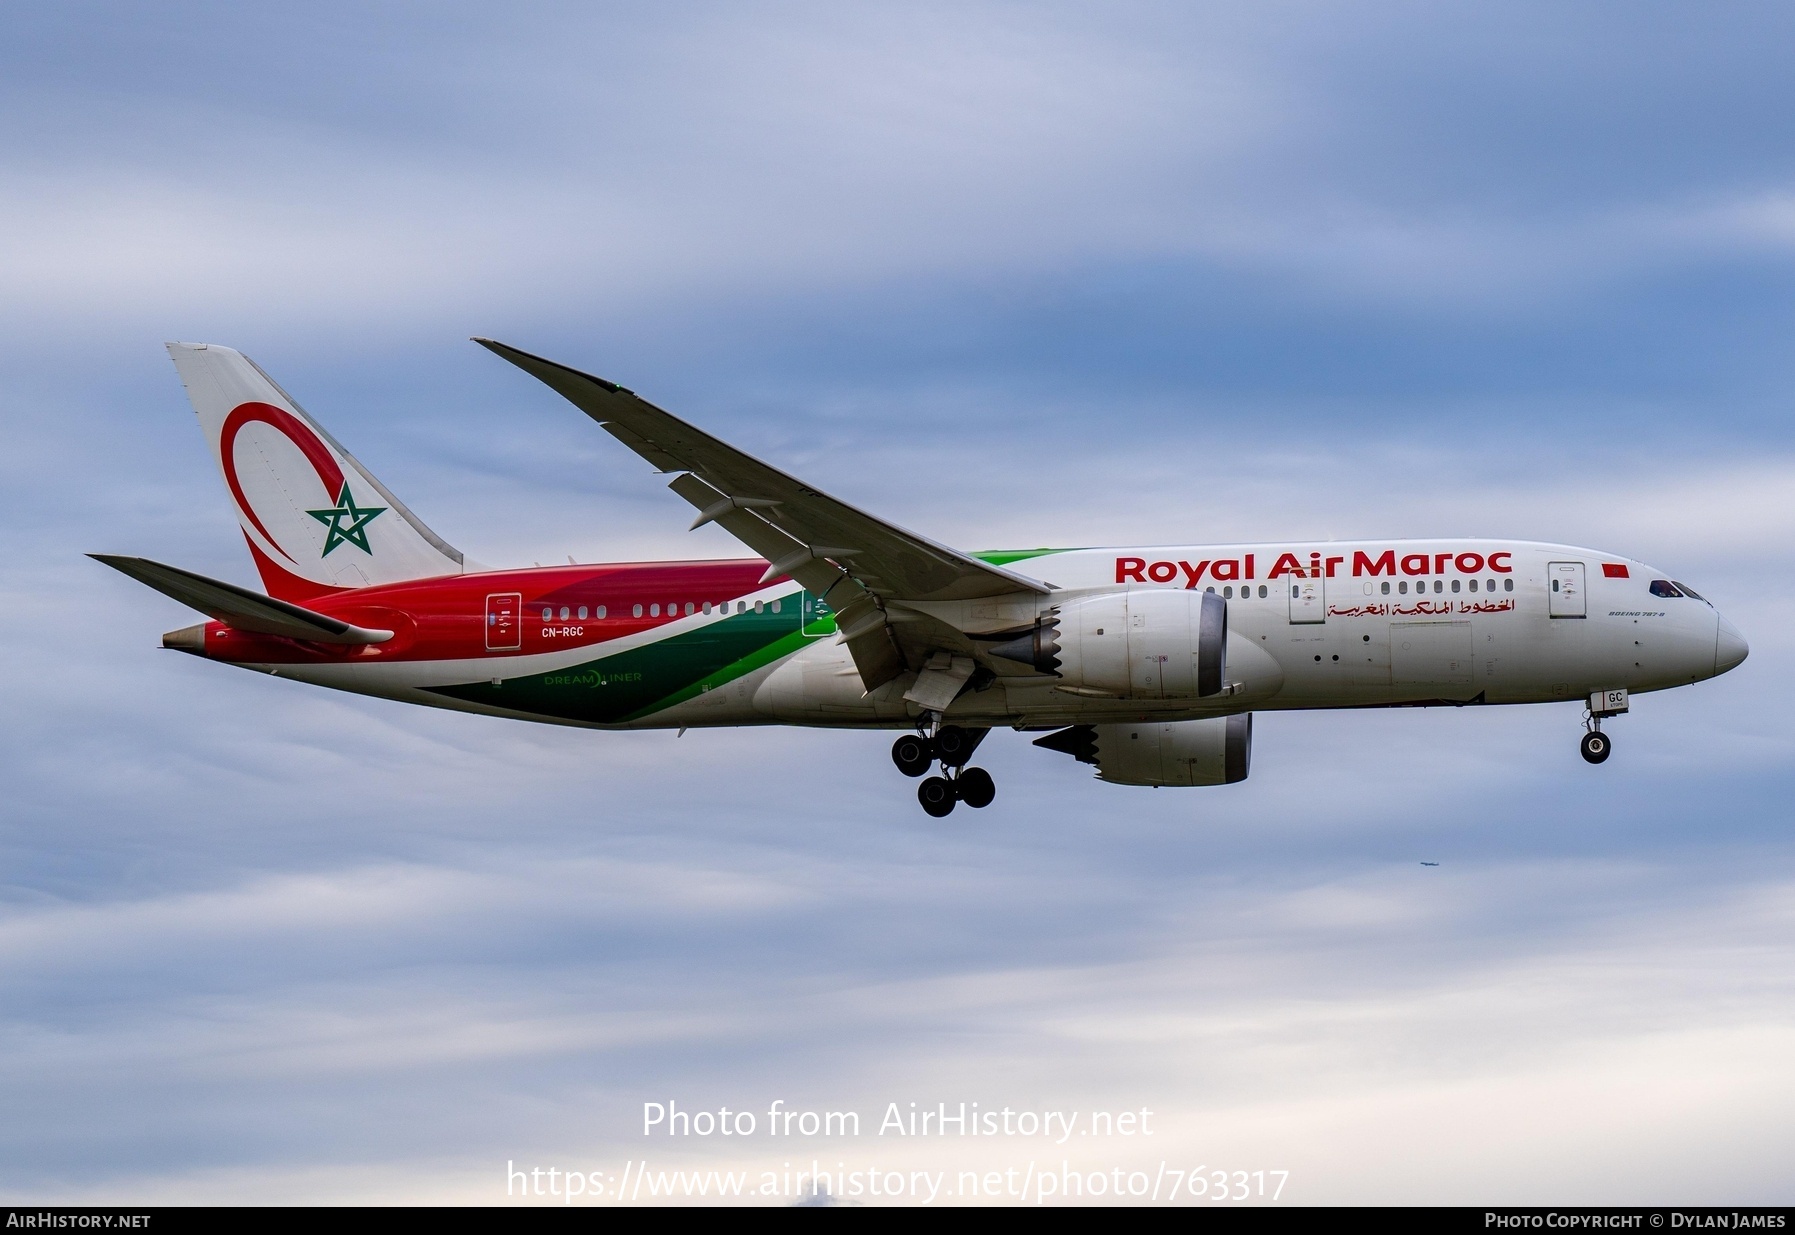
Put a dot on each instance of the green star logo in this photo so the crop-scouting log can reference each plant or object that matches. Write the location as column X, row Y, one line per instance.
column 355, row 530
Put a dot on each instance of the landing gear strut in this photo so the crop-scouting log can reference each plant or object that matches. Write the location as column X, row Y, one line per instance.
column 953, row 746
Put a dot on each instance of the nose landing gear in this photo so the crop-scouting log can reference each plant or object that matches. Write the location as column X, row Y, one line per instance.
column 953, row 746
column 1596, row 745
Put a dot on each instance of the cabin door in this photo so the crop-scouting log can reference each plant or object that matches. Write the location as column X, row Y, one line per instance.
column 1564, row 595
column 819, row 619
column 504, row 624
column 1308, row 602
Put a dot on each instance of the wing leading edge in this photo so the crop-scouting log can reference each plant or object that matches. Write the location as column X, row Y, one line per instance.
column 865, row 568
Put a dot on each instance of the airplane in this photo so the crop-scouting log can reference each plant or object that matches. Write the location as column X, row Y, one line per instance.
column 1147, row 663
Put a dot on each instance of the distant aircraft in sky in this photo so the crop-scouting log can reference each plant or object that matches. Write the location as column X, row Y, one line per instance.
column 1430, row 864
column 1145, row 662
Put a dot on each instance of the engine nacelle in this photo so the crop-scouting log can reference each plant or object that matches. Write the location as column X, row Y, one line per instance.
column 1146, row 643
column 1216, row 751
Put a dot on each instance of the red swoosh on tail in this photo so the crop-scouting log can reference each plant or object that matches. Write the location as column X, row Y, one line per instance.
column 296, row 431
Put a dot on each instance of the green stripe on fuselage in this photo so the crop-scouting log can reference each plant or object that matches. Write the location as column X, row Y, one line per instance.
column 647, row 679
column 1003, row 557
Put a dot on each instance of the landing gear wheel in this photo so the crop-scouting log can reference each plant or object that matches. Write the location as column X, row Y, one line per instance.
column 913, row 754
column 1596, row 747
column 937, row 796
column 953, row 745
column 976, row 788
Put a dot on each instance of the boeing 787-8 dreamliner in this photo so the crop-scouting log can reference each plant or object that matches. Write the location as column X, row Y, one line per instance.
column 1147, row 662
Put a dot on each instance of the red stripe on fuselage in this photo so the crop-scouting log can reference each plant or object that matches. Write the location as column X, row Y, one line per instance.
column 445, row 618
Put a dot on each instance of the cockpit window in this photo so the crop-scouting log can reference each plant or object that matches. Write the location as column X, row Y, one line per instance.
column 1690, row 592
column 1665, row 588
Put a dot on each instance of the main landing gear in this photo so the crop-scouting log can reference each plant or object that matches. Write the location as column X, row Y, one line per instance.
column 953, row 746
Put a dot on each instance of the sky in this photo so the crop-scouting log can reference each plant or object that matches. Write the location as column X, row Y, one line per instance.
column 1012, row 275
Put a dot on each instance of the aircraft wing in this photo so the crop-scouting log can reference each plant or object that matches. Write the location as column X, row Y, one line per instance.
column 863, row 566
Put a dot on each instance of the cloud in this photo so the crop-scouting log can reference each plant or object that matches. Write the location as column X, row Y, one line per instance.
column 1013, row 276
column 1556, row 1068
column 500, row 171
column 700, row 164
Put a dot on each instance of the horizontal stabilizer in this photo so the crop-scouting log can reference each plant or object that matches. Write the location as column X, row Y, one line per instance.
column 239, row 607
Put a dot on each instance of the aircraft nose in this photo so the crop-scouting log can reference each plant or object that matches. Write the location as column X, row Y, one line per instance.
column 1729, row 647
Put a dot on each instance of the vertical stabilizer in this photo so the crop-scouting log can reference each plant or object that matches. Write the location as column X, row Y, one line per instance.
column 316, row 520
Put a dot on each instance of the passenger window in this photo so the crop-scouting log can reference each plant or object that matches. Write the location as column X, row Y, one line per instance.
column 688, row 608
column 548, row 615
column 775, row 606
column 1438, row 586
column 1262, row 591
column 1402, row 589
column 1473, row 585
column 582, row 613
column 599, row 613
column 1386, row 587
column 707, row 608
column 654, row 610
column 760, row 606
column 1508, row 585
column 1228, row 593
column 1209, row 589
column 636, row 612
column 1489, row 585
column 1454, row 585
column 741, row 606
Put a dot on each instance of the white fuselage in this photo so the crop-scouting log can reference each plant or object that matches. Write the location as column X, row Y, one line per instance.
column 1367, row 639
column 1311, row 625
